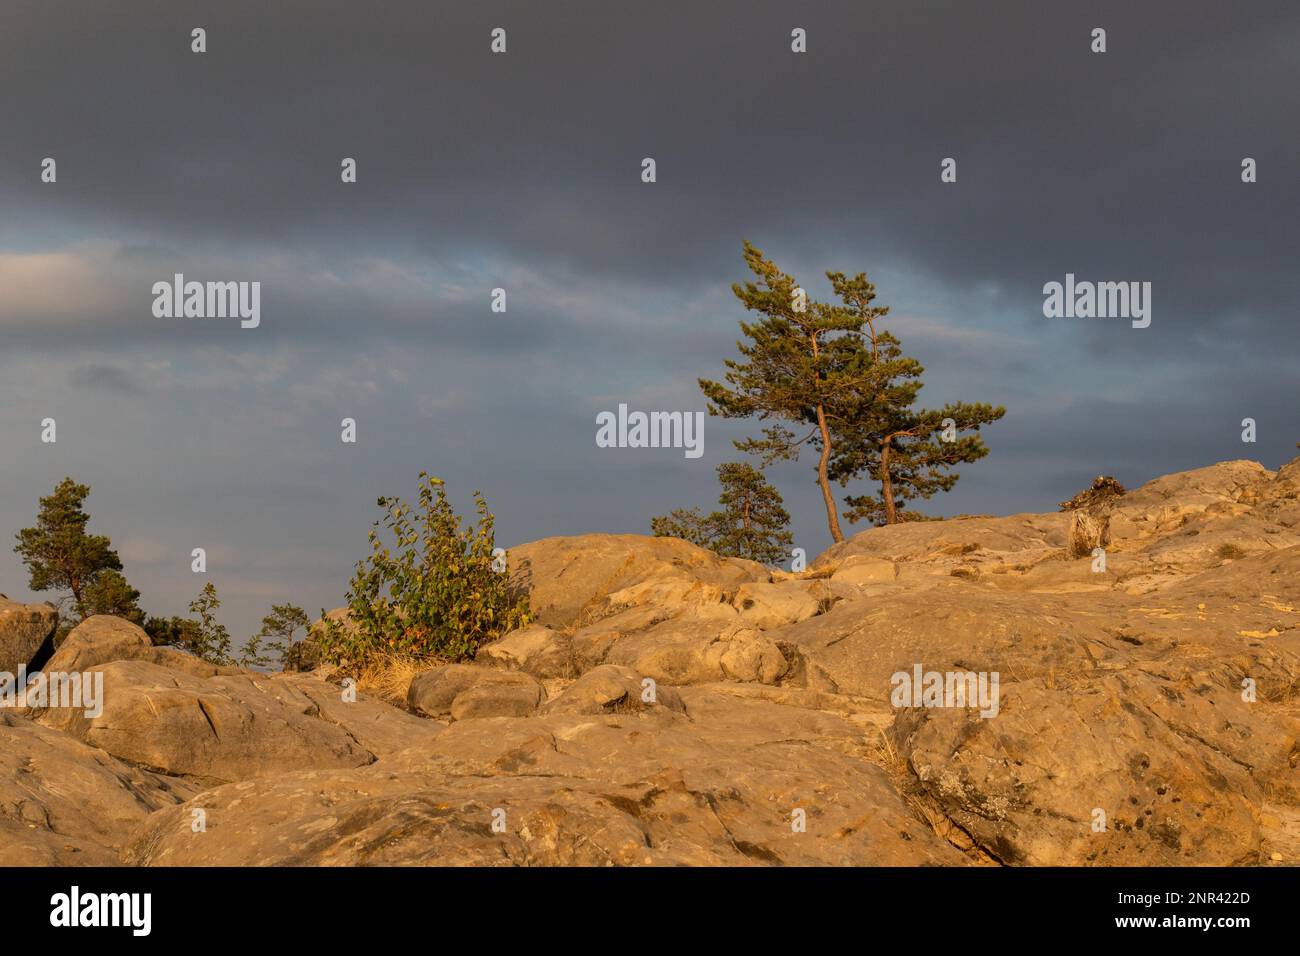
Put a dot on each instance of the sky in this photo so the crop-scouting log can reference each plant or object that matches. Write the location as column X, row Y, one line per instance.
column 522, row 171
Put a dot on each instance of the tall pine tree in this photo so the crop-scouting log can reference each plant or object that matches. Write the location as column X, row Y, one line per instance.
column 58, row 552
column 877, row 431
column 802, row 362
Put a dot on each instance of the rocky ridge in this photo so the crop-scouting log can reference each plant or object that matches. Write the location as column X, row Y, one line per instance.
column 670, row 706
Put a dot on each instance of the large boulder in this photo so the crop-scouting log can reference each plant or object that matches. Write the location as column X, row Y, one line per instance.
column 211, row 730
column 102, row 638
column 610, row 689
column 863, row 569
column 379, row 727
column 24, row 630
column 765, row 605
column 569, row 580
column 461, row 691
column 536, row 650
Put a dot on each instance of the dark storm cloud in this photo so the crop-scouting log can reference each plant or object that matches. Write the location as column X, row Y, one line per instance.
column 1115, row 165
column 523, row 171
column 107, row 378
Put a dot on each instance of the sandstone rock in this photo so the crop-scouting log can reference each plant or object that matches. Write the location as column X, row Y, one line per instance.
column 24, row 630
column 63, row 803
column 943, row 543
column 1121, row 691
column 379, row 727
column 863, row 570
column 610, row 689
column 496, row 700
column 98, row 640
column 956, row 625
column 1167, row 765
column 738, row 653
column 592, row 644
column 211, row 730
column 751, row 657
column 623, row 789
column 768, row 605
column 487, row 692
column 536, row 650
column 102, row 638
column 571, row 578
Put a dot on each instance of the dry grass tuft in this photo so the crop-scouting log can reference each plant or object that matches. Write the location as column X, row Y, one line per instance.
column 389, row 676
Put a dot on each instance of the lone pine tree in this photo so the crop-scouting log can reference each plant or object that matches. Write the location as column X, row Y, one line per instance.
column 277, row 634
column 58, row 552
column 802, row 363
column 877, row 431
column 753, row 522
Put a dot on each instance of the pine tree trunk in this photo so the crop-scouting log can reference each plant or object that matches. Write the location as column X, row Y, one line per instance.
column 887, row 486
column 823, row 479
column 74, row 584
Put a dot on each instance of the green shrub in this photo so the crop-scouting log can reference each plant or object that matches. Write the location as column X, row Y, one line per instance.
column 435, row 594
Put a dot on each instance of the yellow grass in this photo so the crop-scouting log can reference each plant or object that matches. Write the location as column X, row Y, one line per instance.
column 390, row 675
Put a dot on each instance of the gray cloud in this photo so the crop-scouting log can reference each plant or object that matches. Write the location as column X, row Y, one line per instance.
column 106, row 378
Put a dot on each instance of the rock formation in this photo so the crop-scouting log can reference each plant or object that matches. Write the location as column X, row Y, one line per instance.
column 673, row 707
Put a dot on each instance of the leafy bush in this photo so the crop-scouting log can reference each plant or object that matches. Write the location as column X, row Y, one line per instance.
column 209, row 640
column 438, row 593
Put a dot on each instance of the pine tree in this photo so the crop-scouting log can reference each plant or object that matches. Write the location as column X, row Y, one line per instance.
column 109, row 593
column 803, row 360
column 687, row 524
column 877, row 432
column 753, row 522
column 172, row 631
column 278, row 630
column 58, row 552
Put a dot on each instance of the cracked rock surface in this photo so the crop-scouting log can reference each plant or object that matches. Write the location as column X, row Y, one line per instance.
column 670, row 706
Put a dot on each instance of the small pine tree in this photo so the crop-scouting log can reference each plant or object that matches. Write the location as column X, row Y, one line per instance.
column 753, row 522
column 58, row 552
column 109, row 593
column 278, row 630
column 688, row 525
column 171, row 631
